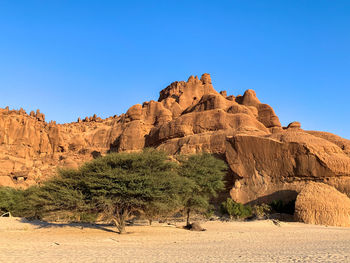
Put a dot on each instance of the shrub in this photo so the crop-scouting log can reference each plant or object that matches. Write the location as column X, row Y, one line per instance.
column 236, row 210
column 261, row 211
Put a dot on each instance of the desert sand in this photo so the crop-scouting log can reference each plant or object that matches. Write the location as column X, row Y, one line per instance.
column 256, row 241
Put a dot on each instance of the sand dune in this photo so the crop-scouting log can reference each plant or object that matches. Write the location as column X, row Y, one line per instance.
column 258, row 241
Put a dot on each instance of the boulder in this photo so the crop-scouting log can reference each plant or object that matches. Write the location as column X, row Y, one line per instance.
column 195, row 226
column 294, row 125
column 134, row 113
column 250, row 99
column 223, row 93
column 321, row 204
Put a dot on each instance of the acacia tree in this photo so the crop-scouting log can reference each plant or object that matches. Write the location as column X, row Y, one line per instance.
column 120, row 184
column 9, row 198
column 116, row 185
column 205, row 174
column 64, row 192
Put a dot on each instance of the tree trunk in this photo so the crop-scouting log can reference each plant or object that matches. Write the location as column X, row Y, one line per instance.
column 119, row 225
column 188, row 217
column 119, row 220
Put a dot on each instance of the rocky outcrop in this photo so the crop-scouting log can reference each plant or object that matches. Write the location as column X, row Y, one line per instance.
column 294, row 125
column 187, row 93
column 277, row 166
column 322, row 204
column 267, row 161
column 31, row 149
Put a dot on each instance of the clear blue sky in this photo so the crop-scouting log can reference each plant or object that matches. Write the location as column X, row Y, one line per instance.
column 77, row 58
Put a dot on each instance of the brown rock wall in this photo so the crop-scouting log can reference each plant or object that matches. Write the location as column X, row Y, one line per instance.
column 267, row 162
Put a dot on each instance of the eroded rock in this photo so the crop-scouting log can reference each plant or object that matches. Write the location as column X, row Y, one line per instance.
column 267, row 162
column 321, row 204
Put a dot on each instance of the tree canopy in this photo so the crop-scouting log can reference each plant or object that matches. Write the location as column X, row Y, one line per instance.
column 206, row 174
column 116, row 185
column 120, row 184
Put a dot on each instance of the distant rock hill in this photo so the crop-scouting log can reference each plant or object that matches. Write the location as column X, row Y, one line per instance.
column 267, row 161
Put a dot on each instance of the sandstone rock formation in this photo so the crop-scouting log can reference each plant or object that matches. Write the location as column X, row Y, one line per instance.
column 267, row 161
column 322, row 204
column 277, row 166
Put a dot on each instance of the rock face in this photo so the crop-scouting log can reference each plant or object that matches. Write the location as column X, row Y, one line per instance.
column 322, row 204
column 277, row 166
column 267, row 161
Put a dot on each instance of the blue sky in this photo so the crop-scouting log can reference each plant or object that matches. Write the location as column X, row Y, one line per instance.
column 77, row 58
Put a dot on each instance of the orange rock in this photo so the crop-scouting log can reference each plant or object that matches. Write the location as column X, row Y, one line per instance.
column 277, row 166
column 6, row 181
column 223, row 93
column 267, row 162
column 188, row 93
column 321, row 204
column 294, row 125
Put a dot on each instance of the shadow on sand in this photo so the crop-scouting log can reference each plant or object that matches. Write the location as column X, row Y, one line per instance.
column 42, row 224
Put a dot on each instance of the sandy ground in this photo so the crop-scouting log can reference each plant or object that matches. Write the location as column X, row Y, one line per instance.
column 258, row 241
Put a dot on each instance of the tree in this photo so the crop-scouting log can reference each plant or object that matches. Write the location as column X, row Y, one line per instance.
column 116, row 185
column 9, row 198
column 16, row 202
column 64, row 192
column 205, row 174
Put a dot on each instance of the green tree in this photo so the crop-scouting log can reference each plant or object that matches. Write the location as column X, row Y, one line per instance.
column 205, row 174
column 64, row 192
column 9, row 198
column 115, row 185
column 16, row 201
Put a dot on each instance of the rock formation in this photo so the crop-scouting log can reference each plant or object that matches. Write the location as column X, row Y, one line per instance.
column 322, row 204
column 267, row 161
